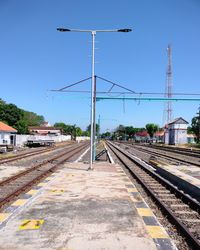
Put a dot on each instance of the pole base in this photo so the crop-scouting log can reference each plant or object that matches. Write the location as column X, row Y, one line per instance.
column 90, row 169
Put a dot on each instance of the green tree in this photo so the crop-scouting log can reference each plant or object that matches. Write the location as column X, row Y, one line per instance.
column 97, row 129
column 62, row 126
column 190, row 130
column 196, row 126
column 120, row 132
column 10, row 114
column 72, row 130
column 32, row 119
column 22, row 127
column 2, row 101
column 130, row 131
column 106, row 135
column 151, row 129
column 126, row 132
column 78, row 131
column 18, row 118
column 85, row 133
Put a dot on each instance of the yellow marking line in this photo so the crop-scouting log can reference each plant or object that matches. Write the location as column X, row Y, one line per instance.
column 56, row 191
column 33, row 191
column 49, row 178
column 4, row 216
column 42, row 184
column 132, row 190
column 145, row 212
column 156, row 232
column 19, row 202
column 31, row 224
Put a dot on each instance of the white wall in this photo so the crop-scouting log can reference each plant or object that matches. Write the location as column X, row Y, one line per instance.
column 180, row 136
column 4, row 138
column 82, row 138
column 22, row 139
column 166, row 136
column 178, row 126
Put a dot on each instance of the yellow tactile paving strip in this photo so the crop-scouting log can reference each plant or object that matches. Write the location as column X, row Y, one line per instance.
column 42, row 184
column 132, row 190
column 4, row 216
column 156, row 232
column 32, row 191
column 154, row 229
column 19, row 202
column 145, row 212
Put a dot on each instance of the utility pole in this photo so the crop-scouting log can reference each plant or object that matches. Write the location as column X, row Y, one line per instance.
column 94, row 119
column 168, row 88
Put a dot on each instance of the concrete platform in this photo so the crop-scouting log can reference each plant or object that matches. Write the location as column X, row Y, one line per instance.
column 76, row 209
column 186, row 177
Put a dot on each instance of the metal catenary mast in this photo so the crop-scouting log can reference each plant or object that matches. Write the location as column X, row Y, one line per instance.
column 168, row 89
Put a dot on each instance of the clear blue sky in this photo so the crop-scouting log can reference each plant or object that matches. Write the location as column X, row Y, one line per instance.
column 35, row 58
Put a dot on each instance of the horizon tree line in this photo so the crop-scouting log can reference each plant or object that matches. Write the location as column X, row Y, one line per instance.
column 21, row 119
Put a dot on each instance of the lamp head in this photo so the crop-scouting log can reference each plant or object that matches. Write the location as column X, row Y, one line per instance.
column 63, row 29
column 124, row 30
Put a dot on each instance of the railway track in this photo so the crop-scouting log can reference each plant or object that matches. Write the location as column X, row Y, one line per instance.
column 17, row 184
column 165, row 155
column 181, row 210
column 25, row 155
column 183, row 151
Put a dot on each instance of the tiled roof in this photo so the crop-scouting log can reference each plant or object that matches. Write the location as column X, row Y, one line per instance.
column 191, row 136
column 6, row 128
column 142, row 134
column 159, row 133
column 179, row 120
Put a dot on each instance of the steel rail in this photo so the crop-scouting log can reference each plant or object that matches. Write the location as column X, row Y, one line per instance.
column 25, row 186
column 166, row 156
column 20, row 156
column 12, row 178
column 189, row 236
column 188, row 152
column 193, row 204
column 27, row 154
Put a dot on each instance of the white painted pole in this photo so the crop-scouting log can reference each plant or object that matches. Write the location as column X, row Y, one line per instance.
column 92, row 103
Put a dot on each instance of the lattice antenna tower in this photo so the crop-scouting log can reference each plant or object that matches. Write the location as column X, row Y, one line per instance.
column 168, row 89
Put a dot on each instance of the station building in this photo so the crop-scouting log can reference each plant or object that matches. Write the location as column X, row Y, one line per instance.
column 7, row 134
column 176, row 132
